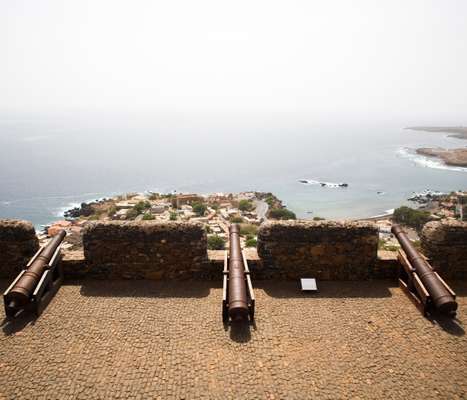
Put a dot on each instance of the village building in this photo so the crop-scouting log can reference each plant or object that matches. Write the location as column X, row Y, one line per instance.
column 183, row 199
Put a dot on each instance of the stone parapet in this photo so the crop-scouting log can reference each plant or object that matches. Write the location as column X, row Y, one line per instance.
column 144, row 250
column 445, row 244
column 18, row 243
column 327, row 250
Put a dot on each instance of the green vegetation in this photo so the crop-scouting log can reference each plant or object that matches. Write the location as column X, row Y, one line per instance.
column 199, row 208
column 411, row 217
column 173, row 216
column 142, row 206
column 236, row 219
column 246, row 205
column 281, row 213
column 111, row 211
column 248, row 229
column 208, row 228
column 148, row 217
column 383, row 245
column 132, row 213
column 250, row 242
column 269, row 200
column 216, row 242
column 318, row 219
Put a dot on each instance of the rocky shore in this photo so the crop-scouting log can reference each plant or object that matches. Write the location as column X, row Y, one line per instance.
column 454, row 157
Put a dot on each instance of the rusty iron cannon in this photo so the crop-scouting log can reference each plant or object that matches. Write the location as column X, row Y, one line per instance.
column 238, row 303
column 420, row 281
column 35, row 285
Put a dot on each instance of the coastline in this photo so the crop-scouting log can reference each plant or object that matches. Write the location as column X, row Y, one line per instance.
column 456, row 157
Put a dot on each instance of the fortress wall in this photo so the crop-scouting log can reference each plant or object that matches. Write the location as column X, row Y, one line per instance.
column 18, row 243
column 144, row 250
column 445, row 244
column 327, row 250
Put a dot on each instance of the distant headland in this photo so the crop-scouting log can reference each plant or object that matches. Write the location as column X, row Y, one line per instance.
column 459, row 132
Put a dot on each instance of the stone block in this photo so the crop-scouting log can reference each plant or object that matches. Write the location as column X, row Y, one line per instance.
column 144, row 250
column 445, row 244
column 18, row 243
column 327, row 250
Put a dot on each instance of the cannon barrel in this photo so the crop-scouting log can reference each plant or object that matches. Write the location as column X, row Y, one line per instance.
column 238, row 303
column 24, row 288
column 442, row 299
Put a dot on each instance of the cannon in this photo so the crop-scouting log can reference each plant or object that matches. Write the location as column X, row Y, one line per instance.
column 35, row 285
column 420, row 281
column 238, row 303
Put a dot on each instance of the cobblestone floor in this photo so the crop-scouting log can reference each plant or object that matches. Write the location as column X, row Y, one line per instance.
column 144, row 339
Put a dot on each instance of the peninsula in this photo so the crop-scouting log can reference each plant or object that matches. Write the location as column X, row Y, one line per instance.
column 453, row 157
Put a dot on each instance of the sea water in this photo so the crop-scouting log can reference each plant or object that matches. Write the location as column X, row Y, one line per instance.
column 49, row 164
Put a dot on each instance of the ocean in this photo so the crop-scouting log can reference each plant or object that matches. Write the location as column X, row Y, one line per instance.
column 50, row 164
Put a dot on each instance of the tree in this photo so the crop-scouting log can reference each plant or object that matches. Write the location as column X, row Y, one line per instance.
column 250, row 242
column 111, row 211
column 236, row 219
column 148, row 217
column 215, row 242
column 248, row 229
column 173, row 216
column 281, row 213
column 411, row 217
column 132, row 213
column 199, row 208
column 245, row 205
column 141, row 206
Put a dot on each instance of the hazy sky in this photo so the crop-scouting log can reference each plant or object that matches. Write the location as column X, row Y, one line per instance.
column 330, row 59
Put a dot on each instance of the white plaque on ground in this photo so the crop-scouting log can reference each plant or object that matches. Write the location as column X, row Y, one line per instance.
column 309, row 284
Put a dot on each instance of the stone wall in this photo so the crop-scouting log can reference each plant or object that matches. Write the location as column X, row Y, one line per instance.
column 327, row 250
column 144, row 250
column 18, row 243
column 445, row 244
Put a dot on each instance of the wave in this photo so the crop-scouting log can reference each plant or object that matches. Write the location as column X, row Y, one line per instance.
column 60, row 212
column 425, row 161
column 323, row 184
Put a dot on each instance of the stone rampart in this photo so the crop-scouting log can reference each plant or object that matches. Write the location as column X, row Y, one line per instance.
column 144, row 250
column 18, row 243
column 327, row 250
column 445, row 244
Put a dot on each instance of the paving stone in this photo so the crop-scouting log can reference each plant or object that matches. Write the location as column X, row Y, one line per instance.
column 147, row 339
